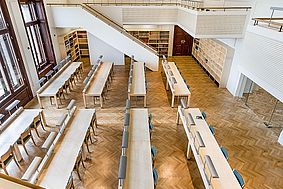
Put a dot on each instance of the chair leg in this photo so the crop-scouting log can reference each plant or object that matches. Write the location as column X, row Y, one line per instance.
column 36, row 131
column 83, row 163
column 33, row 140
column 5, row 170
column 90, row 139
column 87, row 146
column 42, row 126
column 25, row 148
column 78, row 171
column 93, row 130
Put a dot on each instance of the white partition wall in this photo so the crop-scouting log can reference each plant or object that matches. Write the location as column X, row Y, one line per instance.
column 78, row 17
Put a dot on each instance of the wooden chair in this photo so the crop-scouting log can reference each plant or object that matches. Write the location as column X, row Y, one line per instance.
column 67, row 86
column 78, row 162
column 70, row 184
column 153, row 154
column 155, row 177
column 87, row 138
column 36, row 123
column 93, row 122
column 6, row 158
column 58, row 95
column 25, row 137
column 72, row 79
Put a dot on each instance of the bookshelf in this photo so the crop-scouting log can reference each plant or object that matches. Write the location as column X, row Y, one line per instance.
column 76, row 44
column 215, row 57
column 158, row 40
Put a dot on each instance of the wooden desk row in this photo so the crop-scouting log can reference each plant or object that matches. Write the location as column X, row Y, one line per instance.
column 137, row 86
column 138, row 153
column 98, row 82
column 175, row 81
column 14, row 126
column 56, row 173
column 203, row 144
column 52, row 87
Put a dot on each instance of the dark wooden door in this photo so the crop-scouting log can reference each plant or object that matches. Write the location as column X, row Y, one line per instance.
column 183, row 43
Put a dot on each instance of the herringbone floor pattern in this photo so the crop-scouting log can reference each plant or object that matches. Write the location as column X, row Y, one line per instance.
column 253, row 149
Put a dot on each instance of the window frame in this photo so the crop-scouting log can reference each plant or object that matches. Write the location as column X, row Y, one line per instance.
column 23, row 92
column 43, row 38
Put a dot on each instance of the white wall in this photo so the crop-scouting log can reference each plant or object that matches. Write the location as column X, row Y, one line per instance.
column 115, row 14
column 77, row 17
column 262, row 8
column 19, row 28
column 98, row 47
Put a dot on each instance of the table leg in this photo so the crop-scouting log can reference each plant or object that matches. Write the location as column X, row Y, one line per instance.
column 101, row 101
column 56, row 101
column 167, row 84
column 84, row 97
column 188, row 101
column 172, row 104
column 189, row 151
column 178, row 117
column 17, row 152
column 144, row 103
column 39, row 101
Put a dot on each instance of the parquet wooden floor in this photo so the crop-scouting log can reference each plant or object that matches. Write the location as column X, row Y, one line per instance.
column 253, row 149
column 263, row 103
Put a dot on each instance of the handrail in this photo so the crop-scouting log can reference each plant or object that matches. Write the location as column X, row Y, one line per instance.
column 271, row 22
column 108, row 21
column 198, row 5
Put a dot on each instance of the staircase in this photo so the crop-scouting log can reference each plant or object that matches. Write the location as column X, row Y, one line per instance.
column 84, row 16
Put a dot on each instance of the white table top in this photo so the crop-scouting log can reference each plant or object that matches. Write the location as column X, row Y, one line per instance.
column 138, row 82
column 97, row 83
column 139, row 162
column 16, row 127
column 180, row 88
column 52, row 86
column 226, row 177
column 57, row 173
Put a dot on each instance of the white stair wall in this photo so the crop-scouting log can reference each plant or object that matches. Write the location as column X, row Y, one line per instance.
column 77, row 17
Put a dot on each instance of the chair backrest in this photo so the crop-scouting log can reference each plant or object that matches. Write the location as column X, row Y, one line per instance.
column 155, row 176
column 127, row 119
column 203, row 114
column 225, row 152
column 122, row 167
column 6, row 158
column 36, row 119
column 153, row 151
column 25, row 133
column 41, row 81
column 150, row 117
column 188, row 86
column 150, row 125
column 86, row 80
column 239, row 178
column 1, row 117
column 211, row 128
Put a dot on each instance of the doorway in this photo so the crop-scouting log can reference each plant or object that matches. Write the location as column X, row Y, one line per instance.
column 183, row 42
